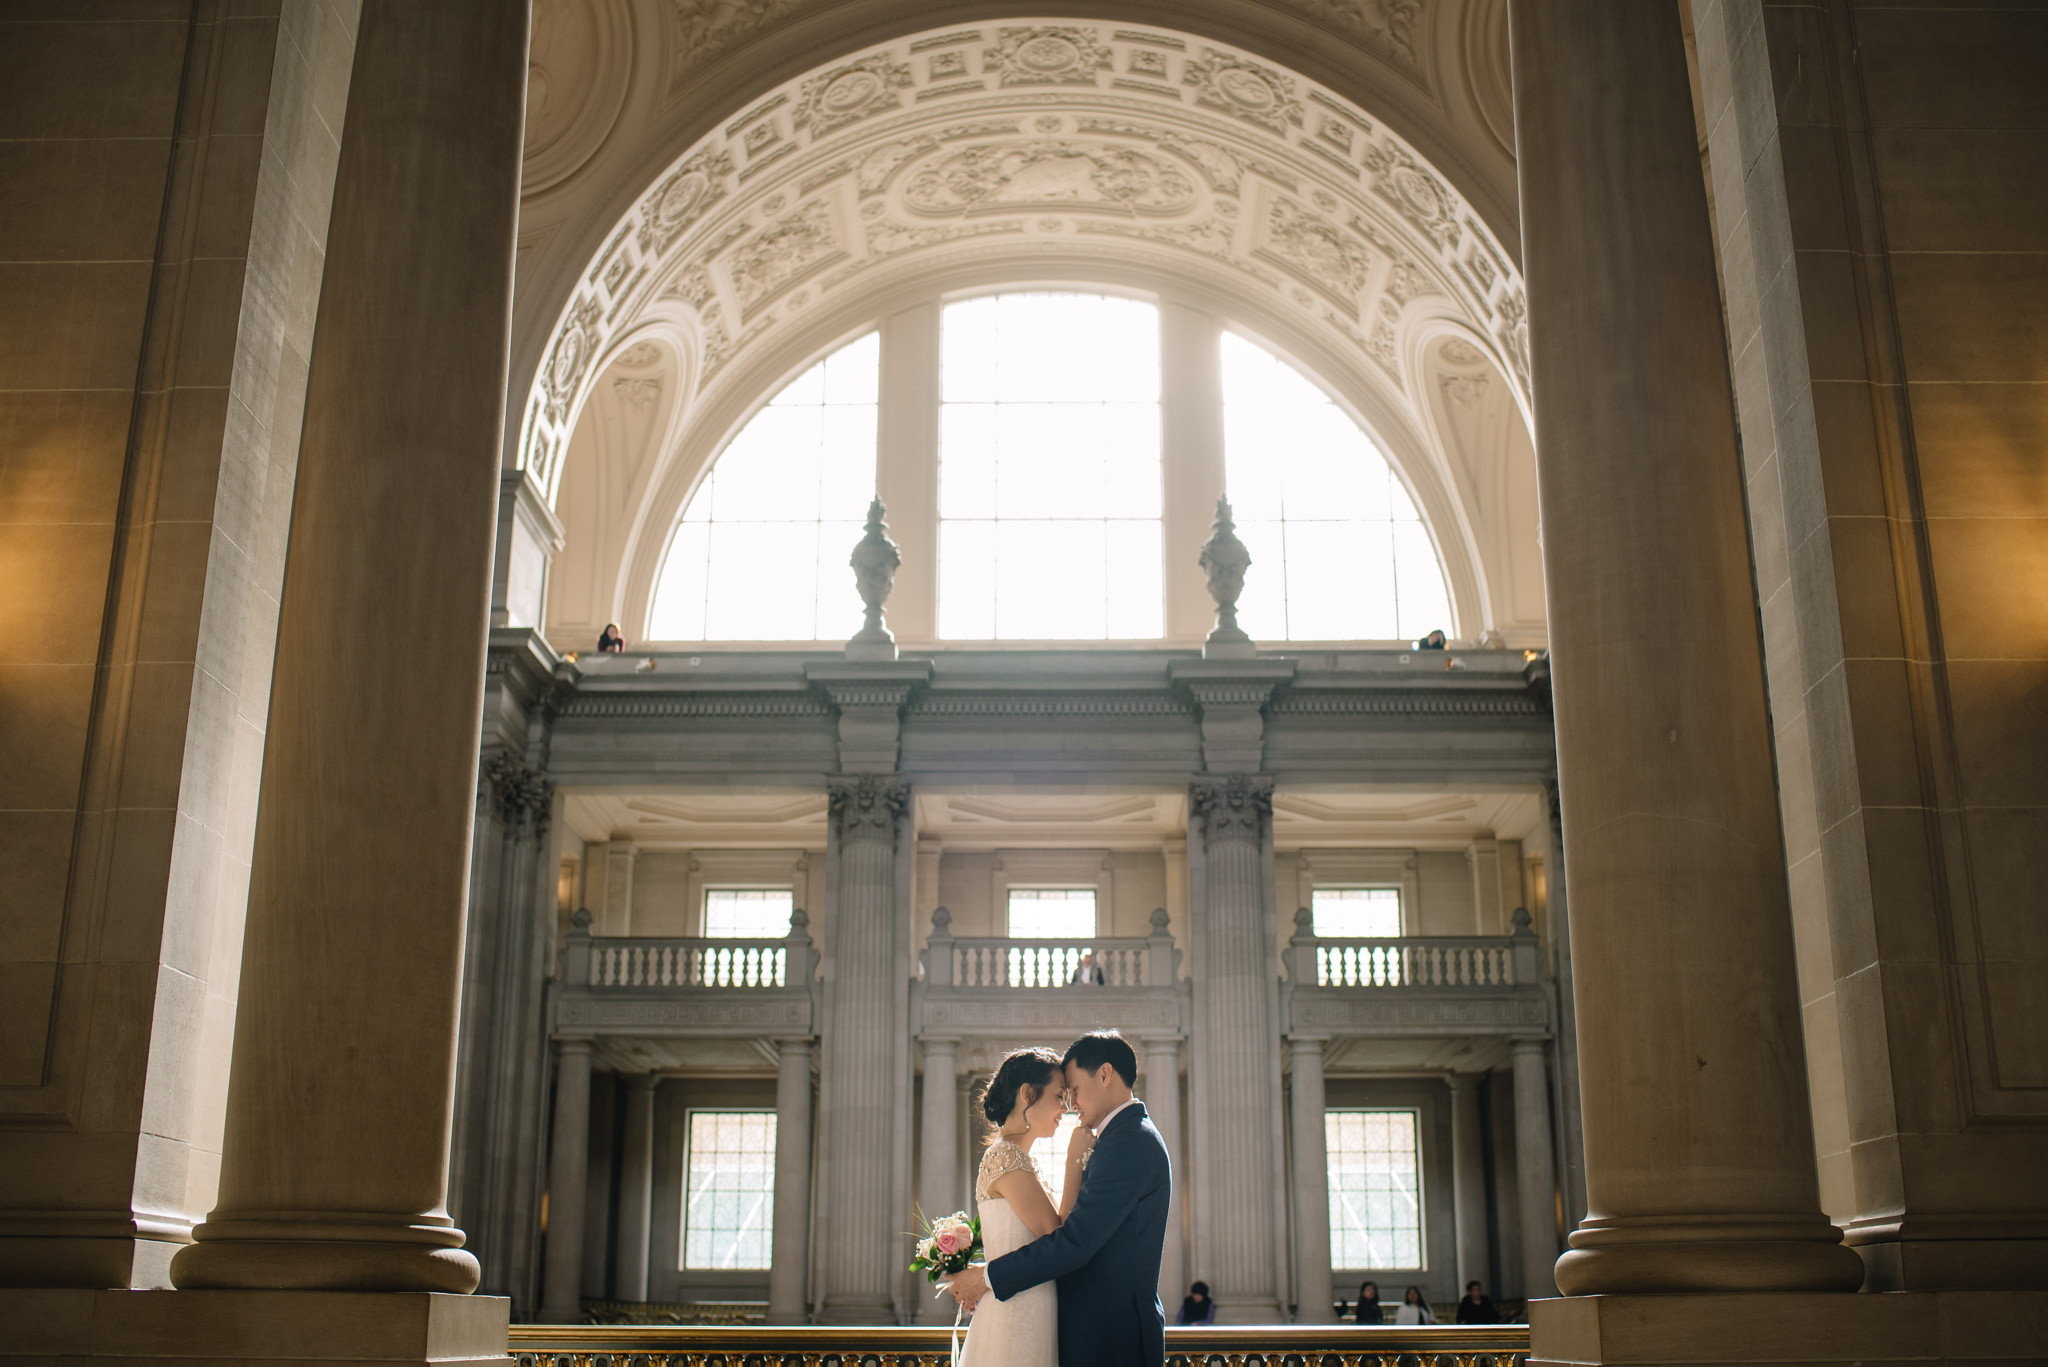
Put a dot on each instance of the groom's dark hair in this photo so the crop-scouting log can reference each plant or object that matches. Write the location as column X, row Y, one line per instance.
column 1098, row 1047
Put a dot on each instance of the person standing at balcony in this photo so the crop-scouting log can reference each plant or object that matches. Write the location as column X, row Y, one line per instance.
column 1477, row 1307
column 1369, row 1311
column 1197, row 1308
column 1414, row 1308
column 1088, row 973
column 1105, row 1256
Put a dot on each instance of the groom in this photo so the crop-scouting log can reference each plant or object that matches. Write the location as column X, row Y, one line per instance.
column 1105, row 1257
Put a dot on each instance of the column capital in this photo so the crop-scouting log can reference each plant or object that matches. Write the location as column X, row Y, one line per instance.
column 573, row 1044
column 643, row 1082
column 1233, row 806
column 868, row 806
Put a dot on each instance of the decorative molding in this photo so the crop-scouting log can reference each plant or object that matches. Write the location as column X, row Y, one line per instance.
column 1405, row 702
column 1061, row 704
column 522, row 797
column 996, row 1011
column 615, row 706
column 1385, row 1010
column 849, row 93
column 700, row 1011
column 1247, row 89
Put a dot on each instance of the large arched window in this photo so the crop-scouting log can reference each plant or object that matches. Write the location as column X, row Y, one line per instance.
column 760, row 552
column 1049, row 476
column 1338, row 551
column 1034, row 479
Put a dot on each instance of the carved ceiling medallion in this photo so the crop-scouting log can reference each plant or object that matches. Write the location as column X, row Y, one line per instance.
column 988, row 176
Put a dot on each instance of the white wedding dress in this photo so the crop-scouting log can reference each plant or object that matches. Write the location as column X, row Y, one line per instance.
column 1024, row 1330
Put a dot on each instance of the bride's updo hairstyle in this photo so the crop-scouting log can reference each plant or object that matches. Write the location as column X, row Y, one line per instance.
column 1019, row 1069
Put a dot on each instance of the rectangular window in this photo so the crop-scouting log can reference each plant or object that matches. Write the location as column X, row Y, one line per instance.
column 1375, row 1189
column 1356, row 913
column 1052, row 913
column 747, row 913
column 729, row 1189
column 1050, row 488
column 1049, row 1156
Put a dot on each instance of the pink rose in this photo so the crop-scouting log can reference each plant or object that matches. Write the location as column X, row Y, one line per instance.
column 951, row 1239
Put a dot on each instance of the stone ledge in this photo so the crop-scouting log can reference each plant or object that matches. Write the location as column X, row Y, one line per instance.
column 253, row 1328
column 1901, row 1326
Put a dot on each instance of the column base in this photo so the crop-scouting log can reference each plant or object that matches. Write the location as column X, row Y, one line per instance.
column 255, row 1328
column 857, row 1310
column 1922, row 1327
column 31, row 1260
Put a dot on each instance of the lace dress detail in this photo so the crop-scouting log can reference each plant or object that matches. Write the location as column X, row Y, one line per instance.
column 1002, row 1159
column 1022, row 1331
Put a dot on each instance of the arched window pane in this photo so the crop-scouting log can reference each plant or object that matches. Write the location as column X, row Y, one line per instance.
column 1049, row 478
column 760, row 552
column 1338, row 551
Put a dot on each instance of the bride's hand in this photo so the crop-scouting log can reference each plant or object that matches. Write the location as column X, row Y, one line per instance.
column 1079, row 1143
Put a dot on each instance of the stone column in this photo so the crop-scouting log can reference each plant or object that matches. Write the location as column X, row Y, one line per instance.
column 335, row 1161
column 561, row 1295
column 938, row 1178
column 1162, row 1102
column 1535, row 1171
column 789, row 1268
column 1468, row 1182
column 858, row 1082
column 1233, row 1046
column 1313, row 1293
column 1699, row 1142
column 636, row 1187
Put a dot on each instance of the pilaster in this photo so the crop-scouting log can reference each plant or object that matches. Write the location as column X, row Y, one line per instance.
column 1232, row 696
column 869, row 699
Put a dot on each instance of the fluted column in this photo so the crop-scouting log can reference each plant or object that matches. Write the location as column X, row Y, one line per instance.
column 334, row 1170
column 636, row 1188
column 938, row 1181
column 1313, row 1293
column 561, row 1297
column 1233, row 1048
column 1162, row 1102
column 1468, row 1182
column 1535, row 1170
column 1699, row 1142
column 789, row 1269
column 857, row 1087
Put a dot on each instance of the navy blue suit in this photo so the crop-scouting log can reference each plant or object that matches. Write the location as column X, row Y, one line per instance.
column 1105, row 1257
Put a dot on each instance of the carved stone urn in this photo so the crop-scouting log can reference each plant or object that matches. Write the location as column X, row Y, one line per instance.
column 875, row 560
column 1224, row 561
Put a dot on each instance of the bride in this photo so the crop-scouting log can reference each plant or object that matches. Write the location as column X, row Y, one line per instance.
column 1024, row 1101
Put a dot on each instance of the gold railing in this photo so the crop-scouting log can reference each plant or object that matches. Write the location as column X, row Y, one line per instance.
column 1284, row 1345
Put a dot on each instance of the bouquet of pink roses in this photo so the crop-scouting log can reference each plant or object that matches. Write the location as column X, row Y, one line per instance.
column 949, row 1244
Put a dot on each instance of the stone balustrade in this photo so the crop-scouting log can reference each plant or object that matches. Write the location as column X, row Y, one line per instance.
column 640, row 963
column 997, row 962
column 1435, row 961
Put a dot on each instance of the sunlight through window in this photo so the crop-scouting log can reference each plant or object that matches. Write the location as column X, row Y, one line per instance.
column 1338, row 551
column 1049, row 473
column 747, row 913
column 1375, row 1190
column 760, row 553
column 729, row 1189
column 1356, row 913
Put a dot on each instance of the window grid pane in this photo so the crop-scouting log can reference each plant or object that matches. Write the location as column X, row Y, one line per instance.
column 760, row 551
column 729, row 1189
column 1375, row 1190
column 1052, row 913
column 1356, row 913
column 747, row 913
column 1050, row 488
column 1339, row 552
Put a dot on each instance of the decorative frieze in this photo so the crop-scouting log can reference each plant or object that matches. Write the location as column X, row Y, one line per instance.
column 1341, row 1011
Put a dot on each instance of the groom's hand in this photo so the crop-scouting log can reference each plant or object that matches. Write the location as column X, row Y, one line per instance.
column 968, row 1286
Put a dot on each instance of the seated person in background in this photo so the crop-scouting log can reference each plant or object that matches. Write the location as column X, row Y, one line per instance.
column 1433, row 641
column 1089, row 974
column 1414, row 1308
column 1197, row 1308
column 1369, row 1304
column 609, row 641
column 1477, row 1307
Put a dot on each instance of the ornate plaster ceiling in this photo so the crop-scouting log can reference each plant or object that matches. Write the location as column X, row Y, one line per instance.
column 1046, row 142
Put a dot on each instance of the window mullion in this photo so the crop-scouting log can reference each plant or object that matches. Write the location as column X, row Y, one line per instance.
column 907, row 465
column 1191, row 441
